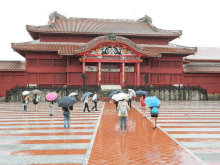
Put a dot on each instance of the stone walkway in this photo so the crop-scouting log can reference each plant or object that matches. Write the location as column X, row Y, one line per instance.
column 140, row 145
column 188, row 133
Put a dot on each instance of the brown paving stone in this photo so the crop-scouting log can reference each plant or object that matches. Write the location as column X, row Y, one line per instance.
column 140, row 145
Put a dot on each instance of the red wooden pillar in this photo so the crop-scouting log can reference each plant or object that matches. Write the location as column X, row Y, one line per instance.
column 138, row 74
column 83, row 66
column 99, row 73
column 68, row 74
column 123, row 74
column 135, row 74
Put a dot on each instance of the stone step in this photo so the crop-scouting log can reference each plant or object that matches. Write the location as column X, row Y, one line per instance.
column 110, row 87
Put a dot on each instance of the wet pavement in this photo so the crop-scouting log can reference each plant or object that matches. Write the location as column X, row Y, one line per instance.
column 194, row 125
column 187, row 133
column 34, row 137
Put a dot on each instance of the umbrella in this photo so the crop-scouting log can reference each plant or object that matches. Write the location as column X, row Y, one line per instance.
column 115, row 92
column 73, row 94
column 152, row 101
column 142, row 92
column 120, row 96
column 51, row 97
column 66, row 102
column 132, row 92
column 25, row 93
column 36, row 91
column 120, row 91
column 86, row 95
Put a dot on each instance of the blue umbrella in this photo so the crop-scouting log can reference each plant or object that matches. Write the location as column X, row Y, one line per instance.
column 66, row 102
column 120, row 91
column 152, row 101
column 86, row 95
column 115, row 92
column 141, row 92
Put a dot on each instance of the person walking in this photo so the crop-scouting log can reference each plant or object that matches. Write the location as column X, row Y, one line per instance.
column 154, row 114
column 95, row 100
column 51, row 105
column 86, row 102
column 35, row 100
column 129, row 98
column 116, row 103
column 122, row 113
column 66, row 117
column 25, row 102
column 143, row 106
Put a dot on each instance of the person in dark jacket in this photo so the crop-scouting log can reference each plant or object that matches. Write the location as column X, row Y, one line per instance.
column 66, row 117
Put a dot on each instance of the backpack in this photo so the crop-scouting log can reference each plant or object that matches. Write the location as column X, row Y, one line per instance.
column 123, row 109
column 154, row 110
column 23, row 101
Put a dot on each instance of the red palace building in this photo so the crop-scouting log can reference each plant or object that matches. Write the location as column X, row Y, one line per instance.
column 108, row 51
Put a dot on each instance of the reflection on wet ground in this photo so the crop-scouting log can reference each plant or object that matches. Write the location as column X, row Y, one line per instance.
column 188, row 133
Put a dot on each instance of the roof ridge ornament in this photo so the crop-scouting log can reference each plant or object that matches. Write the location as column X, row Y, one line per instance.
column 112, row 36
column 145, row 19
column 55, row 16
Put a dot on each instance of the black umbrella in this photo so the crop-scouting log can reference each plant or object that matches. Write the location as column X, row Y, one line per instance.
column 66, row 102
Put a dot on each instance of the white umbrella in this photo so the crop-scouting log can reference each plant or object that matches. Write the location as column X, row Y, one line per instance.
column 73, row 94
column 132, row 92
column 120, row 96
column 25, row 93
column 36, row 91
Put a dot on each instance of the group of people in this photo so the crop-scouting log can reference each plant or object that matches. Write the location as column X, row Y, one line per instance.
column 122, row 106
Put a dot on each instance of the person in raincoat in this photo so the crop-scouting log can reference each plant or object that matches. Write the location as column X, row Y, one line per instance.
column 25, row 102
column 143, row 106
column 95, row 100
column 51, row 105
column 66, row 117
column 36, row 100
column 86, row 102
column 122, row 113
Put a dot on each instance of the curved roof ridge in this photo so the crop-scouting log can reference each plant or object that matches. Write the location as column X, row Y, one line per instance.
column 118, row 39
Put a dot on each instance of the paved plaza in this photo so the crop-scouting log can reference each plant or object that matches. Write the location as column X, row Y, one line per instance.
column 187, row 133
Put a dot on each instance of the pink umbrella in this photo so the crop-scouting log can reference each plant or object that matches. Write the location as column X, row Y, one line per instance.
column 51, row 96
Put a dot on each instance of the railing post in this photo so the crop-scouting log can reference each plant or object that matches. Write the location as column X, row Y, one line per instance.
column 188, row 92
column 169, row 92
column 159, row 92
column 184, row 93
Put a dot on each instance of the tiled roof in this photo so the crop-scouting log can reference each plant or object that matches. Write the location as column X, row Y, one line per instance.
column 67, row 48
column 102, row 26
column 63, row 48
column 12, row 66
column 170, row 49
column 205, row 53
column 201, row 69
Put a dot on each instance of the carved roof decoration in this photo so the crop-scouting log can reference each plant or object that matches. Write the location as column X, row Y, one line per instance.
column 105, row 39
column 59, row 24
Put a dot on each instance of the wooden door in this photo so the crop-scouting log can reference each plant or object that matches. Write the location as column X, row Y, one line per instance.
column 102, row 77
column 112, row 78
column 107, row 78
column 117, row 77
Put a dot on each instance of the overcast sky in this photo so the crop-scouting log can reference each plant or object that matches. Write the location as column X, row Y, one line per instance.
column 199, row 20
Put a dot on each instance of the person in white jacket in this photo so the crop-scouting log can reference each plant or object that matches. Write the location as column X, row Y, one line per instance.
column 122, row 113
column 95, row 100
